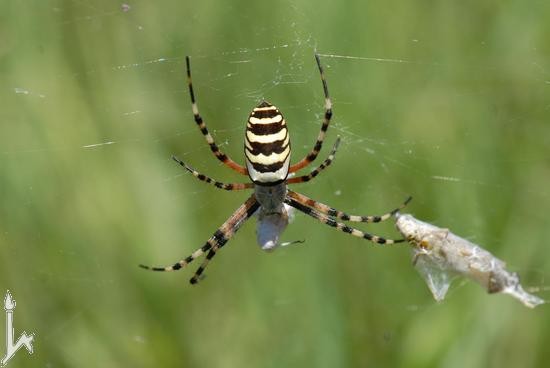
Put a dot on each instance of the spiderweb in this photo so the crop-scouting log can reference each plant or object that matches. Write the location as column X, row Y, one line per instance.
column 368, row 132
column 96, row 102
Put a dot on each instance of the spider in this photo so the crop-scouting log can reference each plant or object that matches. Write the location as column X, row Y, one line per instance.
column 267, row 156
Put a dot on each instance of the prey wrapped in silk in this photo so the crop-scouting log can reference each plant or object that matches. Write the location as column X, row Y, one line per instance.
column 440, row 256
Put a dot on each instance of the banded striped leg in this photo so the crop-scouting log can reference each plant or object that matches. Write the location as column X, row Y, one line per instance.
column 217, row 184
column 218, row 239
column 202, row 126
column 326, row 121
column 318, row 169
column 212, row 253
column 338, row 225
column 332, row 212
column 196, row 276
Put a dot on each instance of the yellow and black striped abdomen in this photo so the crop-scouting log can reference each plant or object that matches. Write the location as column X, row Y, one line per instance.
column 267, row 145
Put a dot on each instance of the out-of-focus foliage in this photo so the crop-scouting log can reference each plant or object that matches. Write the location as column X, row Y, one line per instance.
column 446, row 101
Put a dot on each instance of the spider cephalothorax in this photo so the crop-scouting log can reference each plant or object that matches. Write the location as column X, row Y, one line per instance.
column 267, row 155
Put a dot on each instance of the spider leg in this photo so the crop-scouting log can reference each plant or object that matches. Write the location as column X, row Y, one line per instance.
column 318, row 169
column 338, row 225
column 202, row 126
column 217, row 184
column 326, row 121
column 332, row 212
column 196, row 277
column 218, row 239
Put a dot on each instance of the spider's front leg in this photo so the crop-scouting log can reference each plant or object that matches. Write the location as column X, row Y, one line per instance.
column 333, row 212
column 218, row 239
column 330, row 221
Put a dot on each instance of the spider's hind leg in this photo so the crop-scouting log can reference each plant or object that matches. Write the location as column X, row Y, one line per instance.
column 318, row 169
column 312, row 155
column 209, row 180
column 204, row 130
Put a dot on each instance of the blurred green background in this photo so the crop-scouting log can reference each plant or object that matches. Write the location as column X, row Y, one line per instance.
column 447, row 101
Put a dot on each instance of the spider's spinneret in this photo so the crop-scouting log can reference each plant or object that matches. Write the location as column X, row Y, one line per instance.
column 267, row 145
